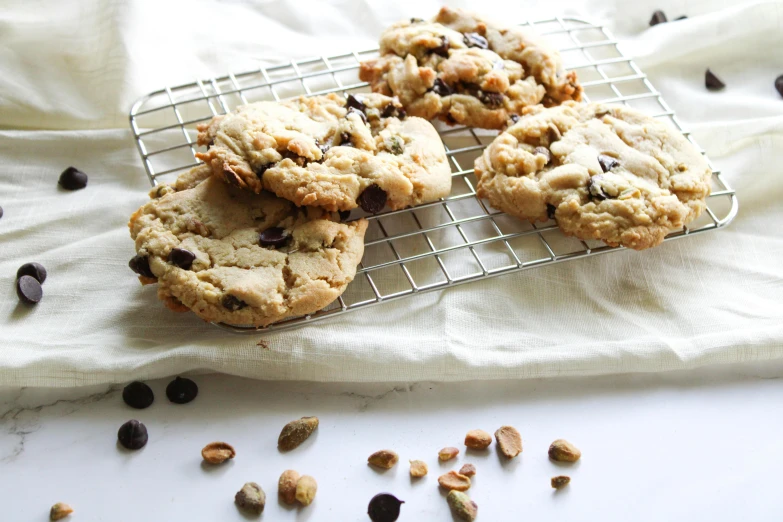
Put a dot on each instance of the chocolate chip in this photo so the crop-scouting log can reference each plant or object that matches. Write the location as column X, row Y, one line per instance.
column 441, row 88
column 475, row 40
column 544, row 152
column 211, row 142
column 274, row 237
column 1, row 212
column 138, row 395
column 417, row 20
column 683, row 17
column 550, row 211
column 658, row 17
column 73, row 179
column 372, row 199
column 344, row 215
column 712, row 82
column 778, row 86
column 296, row 158
column 141, row 265
column 390, row 110
column 323, row 147
column 443, row 48
column 356, row 103
column 595, row 189
column 401, row 114
column 133, row 435
column 384, row 507
column 351, row 110
column 345, row 140
column 491, row 99
column 182, row 390
column 450, row 119
column 35, row 270
column 607, row 162
column 28, row 289
column 233, row 303
column 260, row 170
column 182, row 258
column 514, row 118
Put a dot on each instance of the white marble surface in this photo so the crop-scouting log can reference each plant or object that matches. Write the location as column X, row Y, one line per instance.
column 701, row 445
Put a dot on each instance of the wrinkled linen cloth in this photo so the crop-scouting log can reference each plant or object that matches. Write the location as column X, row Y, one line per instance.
column 71, row 71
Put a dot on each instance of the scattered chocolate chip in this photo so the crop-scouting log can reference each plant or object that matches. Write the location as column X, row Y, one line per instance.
column 475, row 40
column 417, row 20
column 550, row 211
column 372, row 199
column 595, row 189
column 73, row 179
column 182, row 390
column 384, row 507
column 491, row 99
column 182, row 258
column 607, row 162
column 344, row 215
column 658, row 17
column 351, row 110
column 274, row 237
column 778, row 86
column 514, row 118
column 138, row 395
column 683, row 17
column 345, row 140
column 233, row 303
column 35, row 270
column 441, row 88
column 544, row 152
column 29, row 289
column 260, row 170
column 133, row 435
column 141, row 265
column 443, row 48
column 356, row 103
column 712, row 82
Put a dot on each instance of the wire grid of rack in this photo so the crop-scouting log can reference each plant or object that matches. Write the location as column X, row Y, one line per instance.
column 433, row 246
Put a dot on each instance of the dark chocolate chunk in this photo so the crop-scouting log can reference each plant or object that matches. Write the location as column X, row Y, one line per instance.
column 73, row 179
column 274, row 237
column 607, row 162
column 138, row 395
column 345, row 140
column 401, row 113
column 683, row 17
column 384, row 507
column 260, row 170
column 35, row 270
column 550, row 211
column 491, row 99
column 544, row 152
column 28, row 289
column 133, row 435
column 475, row 40
column 778, row 86
column 356, row 103
column 181, row 390
column 417, row 20
column 182, row 258
column 372, row 199
column 141, row 265
column 712, row 82
column 514, row 118
column 344, row 215
column 441, row 88
column 595, row 190
column 658, row 18
column 324, row 147
column 233, row 303
column 351, row 110
column 211, row 142
column 296, row 158
column 443, row 48
column 389, row 111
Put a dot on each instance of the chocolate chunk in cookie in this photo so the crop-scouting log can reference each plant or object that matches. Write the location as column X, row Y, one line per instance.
column 372, row 199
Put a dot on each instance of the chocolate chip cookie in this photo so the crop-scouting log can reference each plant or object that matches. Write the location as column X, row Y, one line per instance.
column 237, row 257
column 329, row 151
column 463, row 69
column 601, row 171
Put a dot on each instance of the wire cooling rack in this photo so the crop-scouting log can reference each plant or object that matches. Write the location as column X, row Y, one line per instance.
column 429, row 247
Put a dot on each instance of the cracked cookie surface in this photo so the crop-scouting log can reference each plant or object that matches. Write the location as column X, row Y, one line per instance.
column 233, row 256
column 326, row 151
column 463, row 69
column 601, row 171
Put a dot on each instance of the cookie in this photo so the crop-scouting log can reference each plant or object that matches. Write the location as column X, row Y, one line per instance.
column 330, row 152
column 601, row 171
column 237, row 257
column 462, row 69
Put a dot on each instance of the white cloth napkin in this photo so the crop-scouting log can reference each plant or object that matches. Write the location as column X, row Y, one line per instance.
column 72, row 69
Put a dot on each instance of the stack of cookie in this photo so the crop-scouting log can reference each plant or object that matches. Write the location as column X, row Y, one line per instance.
column 263, row 230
